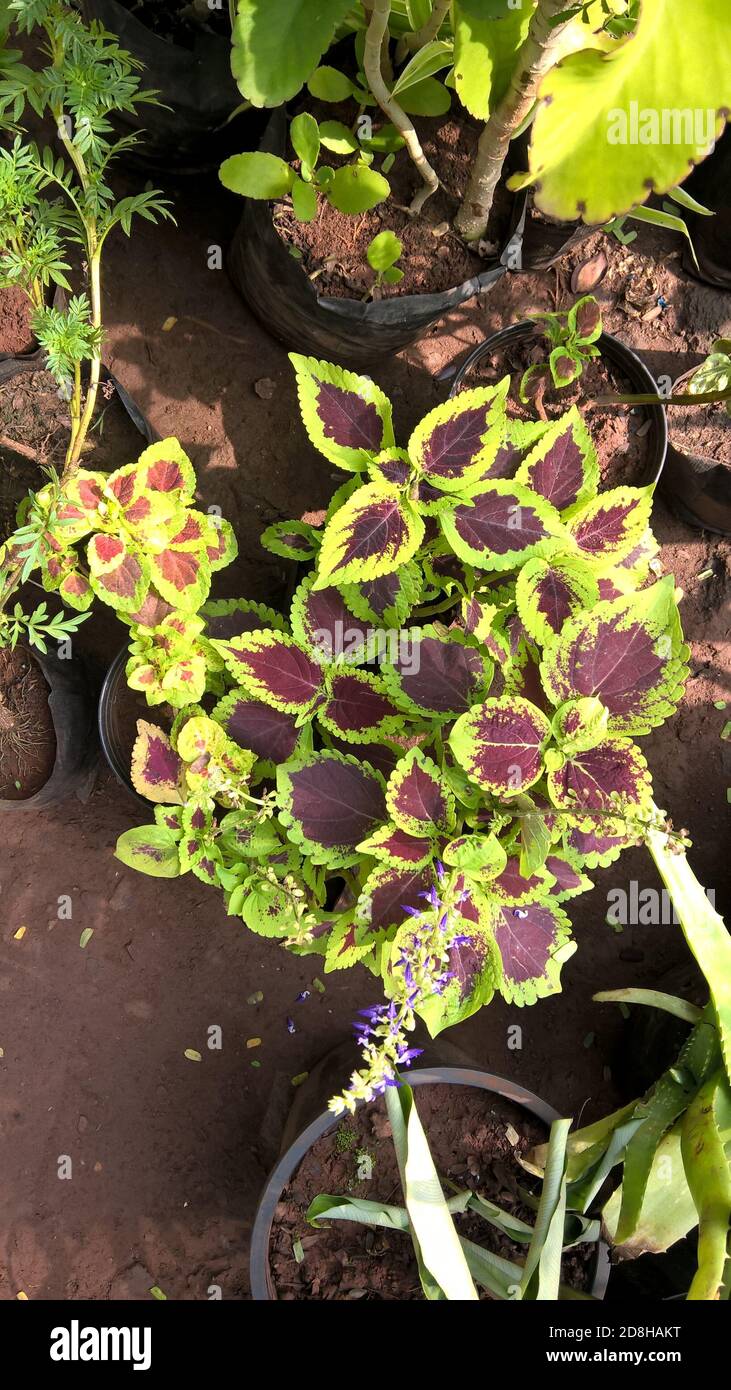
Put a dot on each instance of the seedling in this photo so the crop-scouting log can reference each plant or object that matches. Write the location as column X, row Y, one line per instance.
column 572, row 339
column 383, row 253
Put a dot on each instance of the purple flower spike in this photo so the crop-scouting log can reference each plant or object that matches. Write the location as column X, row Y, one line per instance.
column 438, row 865
column 414, row 911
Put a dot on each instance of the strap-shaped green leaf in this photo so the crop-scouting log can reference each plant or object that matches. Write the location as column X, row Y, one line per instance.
column 708, row 1172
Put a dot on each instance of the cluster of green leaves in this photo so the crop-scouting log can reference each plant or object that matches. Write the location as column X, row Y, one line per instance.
column 459, row 682
column 383, row 253
column 656, row 67
column 34, row 628
column 353, row 187
column 714, row 375
column 48, row 202
column 572, row 339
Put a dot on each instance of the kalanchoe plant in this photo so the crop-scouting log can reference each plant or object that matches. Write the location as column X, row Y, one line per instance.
column 617, row 76
column 445, row 722
column 571, row 338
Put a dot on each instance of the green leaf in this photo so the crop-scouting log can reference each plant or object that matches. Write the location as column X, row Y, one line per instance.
column 432, row 58
column 654, row 999
column 355, row 188
column 435, row 1239
column 708, row 1175
column 551, row 590
column 485, row 48
column 325, row 1208
column 276, row 46
column 151, row 850
column 304, row 200
column 256, row 175
column 476, row 854
column 374, row 533
column 668, row 1212
column 616, row 103
column 427, row 98
column 347, row 417
column 384, row 250
column 703, row 928
column 337, row 138
column 304, row 133
column 328, row 84
column 542, row 1272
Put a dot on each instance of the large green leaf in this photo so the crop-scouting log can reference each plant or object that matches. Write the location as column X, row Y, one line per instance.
column 703, row 928
column 485, row 49
column 278, row 44
column 668, row 1212
column 708, row 1175
column 434, row 1234
column 613, row 127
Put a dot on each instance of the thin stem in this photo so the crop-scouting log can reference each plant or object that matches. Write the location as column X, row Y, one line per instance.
column 412, row 43
column 534, row 59
column 74, row 455
column 377, row 29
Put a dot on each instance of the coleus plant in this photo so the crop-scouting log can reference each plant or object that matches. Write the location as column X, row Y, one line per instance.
column 134, row 540
column 572, row 342
column 443, row 726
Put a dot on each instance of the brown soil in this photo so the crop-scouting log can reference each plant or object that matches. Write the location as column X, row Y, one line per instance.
column 701, row 429
column 27, row 737
column 469, row 1133
column 33, row 415
column 16, row 335
column 169, row 1156
column 434, row 259
column 618, row 432
column 179, row 21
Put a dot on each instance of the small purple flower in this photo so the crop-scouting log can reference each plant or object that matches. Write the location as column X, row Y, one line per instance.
column 414, row 911
column 290, row 1026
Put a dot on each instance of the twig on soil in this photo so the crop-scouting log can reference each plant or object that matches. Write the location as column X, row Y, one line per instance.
column 16, row 447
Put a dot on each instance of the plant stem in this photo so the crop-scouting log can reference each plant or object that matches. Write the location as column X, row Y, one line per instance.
column 534, row 59
column 411, row 43
column 78, row 438
column 377, row 29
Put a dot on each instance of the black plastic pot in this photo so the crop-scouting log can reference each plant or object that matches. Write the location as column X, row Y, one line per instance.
column 115, row 746
column 283, row 298
column 698, row 488
column 321, row 1083
column 623, row 358
column 71, row 703
column 191, row 130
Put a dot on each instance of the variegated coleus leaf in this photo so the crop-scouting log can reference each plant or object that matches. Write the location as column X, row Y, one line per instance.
column 152, row 611
column 358, row 708
column 392, row 845
column 519, row 439
column 273, row 667
column 324, row 625
column 170, row 818
column 550, row 590
column 456, row 443
column 418, row 798
column 375, row 532
column 387, row 891
column 569, row 880
column 388, row 600
column 629, row 654
column 393, row 466
column 562, row 466
column 580, row 724
column 597, row 846
column 480, row 619
column 514, row 887
column 500, row 744
column 232, row 617
column 347, row 417
column 382, row 757
column 473, row 964
column 169, row 664
column 611, row 526
column 157, row 770
column 272, row 734
column 534, row 942
column 220, row 542
column 150, row 849
column 329, row 803
column 181, row 569
column 612, row 776
column 215, row 765
column 60, row 574
column 436, row 673
column 501, row 526
column 116, row 575
column 445, row 573
column 295, row 540
column 164, row 468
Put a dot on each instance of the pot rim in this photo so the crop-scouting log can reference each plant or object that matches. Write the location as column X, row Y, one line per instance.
column 107, row 697
column 618, row 352
column 262, row 1287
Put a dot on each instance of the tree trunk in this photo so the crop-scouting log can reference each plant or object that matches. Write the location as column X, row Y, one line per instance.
column 377, row 28
column 534, row 59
